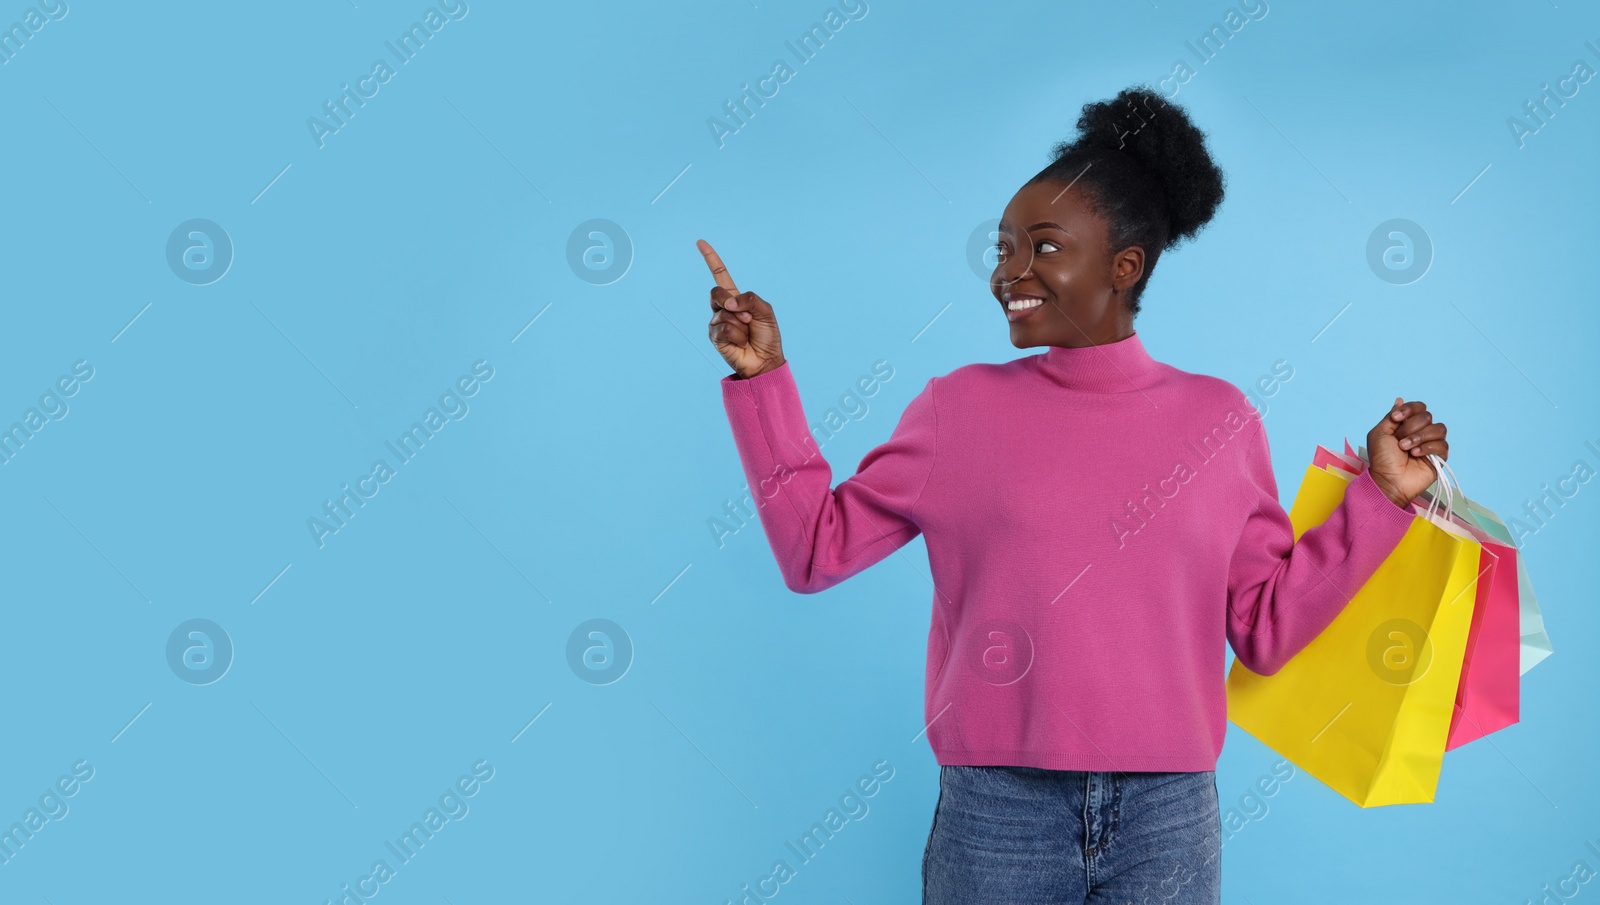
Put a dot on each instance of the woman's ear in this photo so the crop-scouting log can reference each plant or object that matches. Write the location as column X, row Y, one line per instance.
column 1127, row 267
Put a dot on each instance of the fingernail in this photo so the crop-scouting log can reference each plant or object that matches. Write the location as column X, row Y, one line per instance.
column 1404, row 443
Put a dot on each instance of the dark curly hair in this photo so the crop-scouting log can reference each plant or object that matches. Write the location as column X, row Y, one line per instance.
column 1145, row 171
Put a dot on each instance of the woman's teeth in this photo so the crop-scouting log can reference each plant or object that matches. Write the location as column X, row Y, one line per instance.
column 1019, row 308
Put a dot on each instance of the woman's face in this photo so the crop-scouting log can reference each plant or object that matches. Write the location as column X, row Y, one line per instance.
column 1052, row 250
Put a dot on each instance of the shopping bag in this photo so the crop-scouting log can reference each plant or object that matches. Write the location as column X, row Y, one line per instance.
column 1487, row 695
column 1329, row 458
column 1535, row 640
column 1488, row 692
column 1366, row 707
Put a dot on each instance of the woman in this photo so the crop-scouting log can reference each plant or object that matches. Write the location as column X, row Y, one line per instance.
column 1097, row 524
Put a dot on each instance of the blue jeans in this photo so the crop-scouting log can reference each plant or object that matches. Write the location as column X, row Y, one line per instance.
column 1027, row 836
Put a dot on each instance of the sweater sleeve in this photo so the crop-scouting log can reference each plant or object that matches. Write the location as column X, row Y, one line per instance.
column 821, row 534
column 1283, row 593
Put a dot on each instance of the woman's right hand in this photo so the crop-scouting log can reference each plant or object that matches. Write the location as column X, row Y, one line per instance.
column 743, row 327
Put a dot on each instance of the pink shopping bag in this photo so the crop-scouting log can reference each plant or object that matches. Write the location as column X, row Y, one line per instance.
column 1325, row 457
column 1488, row 696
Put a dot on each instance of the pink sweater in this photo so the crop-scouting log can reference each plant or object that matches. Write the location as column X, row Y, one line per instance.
column 1097, row 523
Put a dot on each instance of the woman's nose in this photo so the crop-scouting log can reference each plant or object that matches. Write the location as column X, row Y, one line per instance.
column 1014, row 267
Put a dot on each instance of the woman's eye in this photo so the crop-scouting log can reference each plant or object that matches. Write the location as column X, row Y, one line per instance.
column 1052, row 245
column 999, row 252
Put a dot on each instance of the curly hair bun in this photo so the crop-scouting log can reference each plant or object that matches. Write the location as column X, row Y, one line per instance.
column 1160, row 136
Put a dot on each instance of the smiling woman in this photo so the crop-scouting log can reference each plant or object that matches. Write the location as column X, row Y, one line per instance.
column 1079, row 738
column 1076, row 248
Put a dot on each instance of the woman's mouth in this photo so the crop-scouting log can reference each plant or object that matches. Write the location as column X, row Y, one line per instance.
column 1021, row 306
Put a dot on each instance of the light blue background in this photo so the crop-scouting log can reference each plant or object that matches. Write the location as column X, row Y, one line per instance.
column 432, row 229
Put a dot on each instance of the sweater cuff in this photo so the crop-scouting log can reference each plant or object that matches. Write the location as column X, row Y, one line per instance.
column 1371, row 505
column 759, row 385
column 732, row 381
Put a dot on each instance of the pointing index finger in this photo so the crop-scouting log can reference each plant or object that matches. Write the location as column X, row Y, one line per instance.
column 718, row 271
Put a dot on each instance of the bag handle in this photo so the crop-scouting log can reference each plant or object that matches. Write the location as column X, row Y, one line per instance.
column 1440, row 468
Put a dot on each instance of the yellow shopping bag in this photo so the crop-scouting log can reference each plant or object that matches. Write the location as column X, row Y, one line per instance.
column 1366, row 706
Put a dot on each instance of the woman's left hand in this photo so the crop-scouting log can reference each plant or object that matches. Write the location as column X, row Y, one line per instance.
column 1398, row 449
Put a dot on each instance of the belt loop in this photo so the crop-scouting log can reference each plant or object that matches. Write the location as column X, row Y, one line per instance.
column 1088, row 809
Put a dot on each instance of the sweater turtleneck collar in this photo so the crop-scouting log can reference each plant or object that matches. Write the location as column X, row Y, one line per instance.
column 1121, row 366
